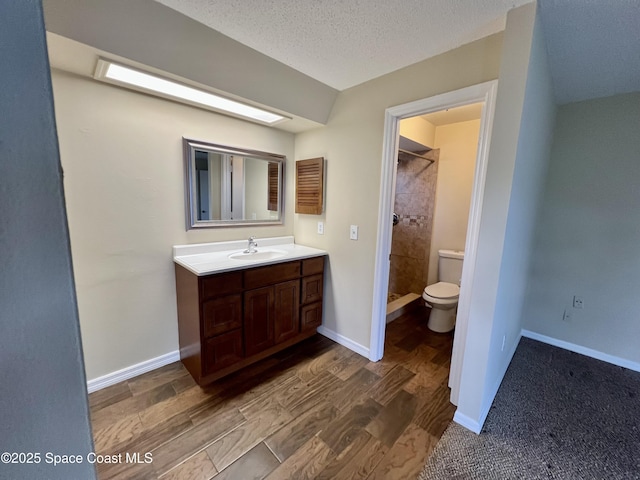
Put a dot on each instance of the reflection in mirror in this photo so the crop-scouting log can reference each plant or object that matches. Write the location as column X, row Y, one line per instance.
column 230, row 186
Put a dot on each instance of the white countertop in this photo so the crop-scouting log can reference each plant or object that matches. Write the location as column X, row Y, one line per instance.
column 208, row 258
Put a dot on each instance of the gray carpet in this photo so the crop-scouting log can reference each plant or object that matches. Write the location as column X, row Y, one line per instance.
column 557, row 415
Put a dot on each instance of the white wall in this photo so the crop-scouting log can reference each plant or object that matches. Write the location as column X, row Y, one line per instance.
column 458, row 144
column 352, row 144
column 124, row 186
column 419, row 130
column 588, row 231
column 521, row 139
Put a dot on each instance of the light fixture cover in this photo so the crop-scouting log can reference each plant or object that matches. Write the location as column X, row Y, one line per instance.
column 121, row 75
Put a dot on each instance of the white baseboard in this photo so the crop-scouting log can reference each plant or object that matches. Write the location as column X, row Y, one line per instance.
column 344, row 341
column 132, row 371
column 467, row 422
column 589, row 352
column 148, row 365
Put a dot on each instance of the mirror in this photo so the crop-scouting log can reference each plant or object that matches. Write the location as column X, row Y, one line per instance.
column 228, row 186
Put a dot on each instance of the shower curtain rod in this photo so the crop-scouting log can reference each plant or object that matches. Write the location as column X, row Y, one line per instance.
column 401, row 150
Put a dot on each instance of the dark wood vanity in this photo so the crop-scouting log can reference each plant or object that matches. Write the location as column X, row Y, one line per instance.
column 229, row 320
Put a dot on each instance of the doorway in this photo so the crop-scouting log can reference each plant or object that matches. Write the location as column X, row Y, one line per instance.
column 435, row 170
column 413, row 214
column 483, row 93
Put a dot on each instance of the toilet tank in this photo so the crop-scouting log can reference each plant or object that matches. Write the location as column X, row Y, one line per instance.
column 450, row 266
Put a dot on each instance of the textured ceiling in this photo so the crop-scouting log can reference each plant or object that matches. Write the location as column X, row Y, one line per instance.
column 593, row 47
column 343, row 43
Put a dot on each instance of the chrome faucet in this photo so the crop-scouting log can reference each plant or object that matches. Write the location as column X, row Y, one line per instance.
column 252, row 245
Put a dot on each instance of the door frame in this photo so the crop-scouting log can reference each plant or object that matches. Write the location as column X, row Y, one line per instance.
column 483, row 92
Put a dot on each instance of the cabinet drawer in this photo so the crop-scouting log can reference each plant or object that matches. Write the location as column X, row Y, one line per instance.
column 262, row 276
column 312, row 289
column 220, row 284
column 311, row 266
column 222, row 351
column 311, row 316
column 221, row 315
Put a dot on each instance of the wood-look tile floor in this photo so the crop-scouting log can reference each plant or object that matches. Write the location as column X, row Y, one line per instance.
column 315, row 411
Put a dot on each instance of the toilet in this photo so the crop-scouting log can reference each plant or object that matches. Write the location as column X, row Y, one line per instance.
column 442, row 297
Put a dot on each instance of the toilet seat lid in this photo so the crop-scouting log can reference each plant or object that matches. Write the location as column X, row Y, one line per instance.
column 442, row 290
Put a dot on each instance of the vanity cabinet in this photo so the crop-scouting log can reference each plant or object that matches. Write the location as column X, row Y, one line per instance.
column 229, row 320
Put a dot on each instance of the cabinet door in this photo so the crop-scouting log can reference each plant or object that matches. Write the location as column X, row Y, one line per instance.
column 221, row 315
column 311, row 316
column 287, row 308
column 222, row 351
column 259, row 310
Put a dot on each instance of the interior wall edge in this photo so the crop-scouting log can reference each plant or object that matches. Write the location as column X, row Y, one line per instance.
column 483, row 364
column 475, row 425
column 44, row 402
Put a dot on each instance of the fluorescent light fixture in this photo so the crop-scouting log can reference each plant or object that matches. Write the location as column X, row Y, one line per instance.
column 119, row 74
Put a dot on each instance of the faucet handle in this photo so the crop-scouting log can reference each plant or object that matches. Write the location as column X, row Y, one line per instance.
column 251, row 239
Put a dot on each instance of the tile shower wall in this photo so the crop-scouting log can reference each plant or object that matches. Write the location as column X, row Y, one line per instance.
column 411, row 239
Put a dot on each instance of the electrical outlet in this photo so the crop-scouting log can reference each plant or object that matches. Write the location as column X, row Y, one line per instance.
column 320, row 228
column 567, row 315
column 353, row 232
column 578, row 302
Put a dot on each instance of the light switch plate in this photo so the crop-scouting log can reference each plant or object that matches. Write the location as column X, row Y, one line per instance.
column 353, row 232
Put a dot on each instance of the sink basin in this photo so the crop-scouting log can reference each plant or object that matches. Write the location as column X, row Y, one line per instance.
column 261, row 254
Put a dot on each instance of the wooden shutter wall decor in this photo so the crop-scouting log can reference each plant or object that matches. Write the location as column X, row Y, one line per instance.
column 273, row 177
column 309, row 185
